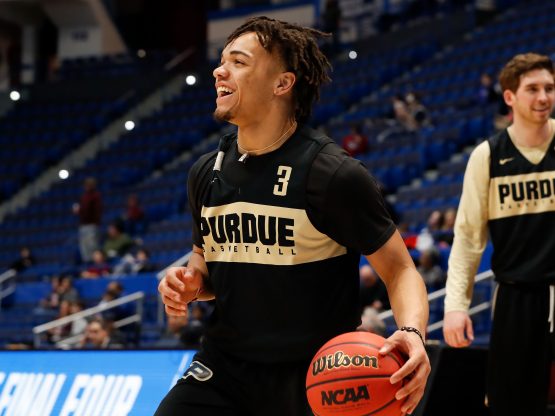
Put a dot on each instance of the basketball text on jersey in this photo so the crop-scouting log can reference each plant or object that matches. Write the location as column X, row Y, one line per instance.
column 89, row 394
column 530, row 193
column 343, row 396
column 340, row 359
column 263, row 234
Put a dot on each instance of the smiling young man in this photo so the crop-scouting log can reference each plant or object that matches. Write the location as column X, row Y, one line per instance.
column 280, row 217
column 509, row 188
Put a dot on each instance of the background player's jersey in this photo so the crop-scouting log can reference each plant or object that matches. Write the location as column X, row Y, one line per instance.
column 283, row 259
column 521, row 209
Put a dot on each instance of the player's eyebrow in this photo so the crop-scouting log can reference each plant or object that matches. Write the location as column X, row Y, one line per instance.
column 539, row 84
column 237, row 52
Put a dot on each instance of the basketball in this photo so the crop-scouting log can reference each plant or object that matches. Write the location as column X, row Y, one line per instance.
column 347, row 377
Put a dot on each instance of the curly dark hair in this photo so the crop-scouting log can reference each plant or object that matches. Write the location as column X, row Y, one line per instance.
column 298, row 48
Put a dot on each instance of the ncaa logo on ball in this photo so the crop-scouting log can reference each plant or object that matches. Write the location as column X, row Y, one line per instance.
column 344, row 396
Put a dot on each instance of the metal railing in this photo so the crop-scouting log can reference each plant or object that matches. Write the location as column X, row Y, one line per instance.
column 7, row 276
column 441, row 293
column 137, row 317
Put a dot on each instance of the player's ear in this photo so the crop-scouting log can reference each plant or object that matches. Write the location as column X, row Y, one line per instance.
column 284, row 83
column 509, row 97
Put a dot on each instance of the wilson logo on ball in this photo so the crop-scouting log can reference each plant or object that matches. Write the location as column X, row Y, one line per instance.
column 340, row 359
column 343, row 396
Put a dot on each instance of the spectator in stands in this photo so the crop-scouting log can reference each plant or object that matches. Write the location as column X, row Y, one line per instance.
column 134, row 217
column 445, row 235
column 50, row 304
column 355, row 143
column 372, row 290
column 98, row 336
column 79, row 325
column 449, row 217
column 61, row 290
column 113, row 291
column 76, row 327
column 429, row 269
column 57, row 333
column 98, row 268
column 117, row 243
column 401, row 113
column 487, row 93
column 89, row 210
column 25, row 260
column 417, row 110
column 435, row 221
column 66, row 290
column 426, row 237
column 134, row 263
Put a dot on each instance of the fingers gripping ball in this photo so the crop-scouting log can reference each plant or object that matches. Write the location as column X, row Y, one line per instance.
column 347, row 377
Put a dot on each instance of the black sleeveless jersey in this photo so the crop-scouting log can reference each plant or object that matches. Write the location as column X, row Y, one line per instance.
column 521, row 213
column 283, row 267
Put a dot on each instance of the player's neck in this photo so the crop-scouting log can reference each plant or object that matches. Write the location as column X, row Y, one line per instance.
column 531, row 135
column 265, row 136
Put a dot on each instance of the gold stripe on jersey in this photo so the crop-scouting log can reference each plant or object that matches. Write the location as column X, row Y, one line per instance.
column 531, row 193
column 244, row 232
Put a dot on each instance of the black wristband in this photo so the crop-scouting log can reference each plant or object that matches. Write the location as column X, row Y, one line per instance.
column 416, row 331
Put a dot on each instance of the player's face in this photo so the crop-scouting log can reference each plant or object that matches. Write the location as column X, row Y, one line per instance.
column 245, row 80
column 535, row 97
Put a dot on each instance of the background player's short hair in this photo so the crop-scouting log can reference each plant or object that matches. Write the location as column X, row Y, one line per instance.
column 509, row 78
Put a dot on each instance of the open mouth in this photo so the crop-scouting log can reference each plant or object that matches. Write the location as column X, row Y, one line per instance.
column 224, row 91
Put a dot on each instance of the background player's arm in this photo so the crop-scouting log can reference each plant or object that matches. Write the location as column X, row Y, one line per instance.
column 183, row 285
column 468, row 245
column 409, row 301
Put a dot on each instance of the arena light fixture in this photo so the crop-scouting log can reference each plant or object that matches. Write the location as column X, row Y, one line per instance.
column 15, row 95
column 63, row 174
column 191, row 80
column 141, row 53
column 353, row 54
column 129, row 125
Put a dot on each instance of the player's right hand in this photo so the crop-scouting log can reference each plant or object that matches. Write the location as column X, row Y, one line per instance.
column 179, row 287
column 457, row 329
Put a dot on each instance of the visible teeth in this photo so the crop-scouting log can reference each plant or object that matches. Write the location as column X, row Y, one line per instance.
column 224, row 89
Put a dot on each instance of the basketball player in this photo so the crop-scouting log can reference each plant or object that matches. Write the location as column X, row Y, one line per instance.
column 281, row 215
column 509, row 188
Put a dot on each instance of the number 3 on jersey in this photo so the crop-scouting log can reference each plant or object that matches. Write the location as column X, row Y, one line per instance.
column 283, row 173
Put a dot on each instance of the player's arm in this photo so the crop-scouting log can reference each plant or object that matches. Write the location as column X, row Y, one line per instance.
column 182, row 285
column 468, row 245
column 409, row 301
column 354, row 215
